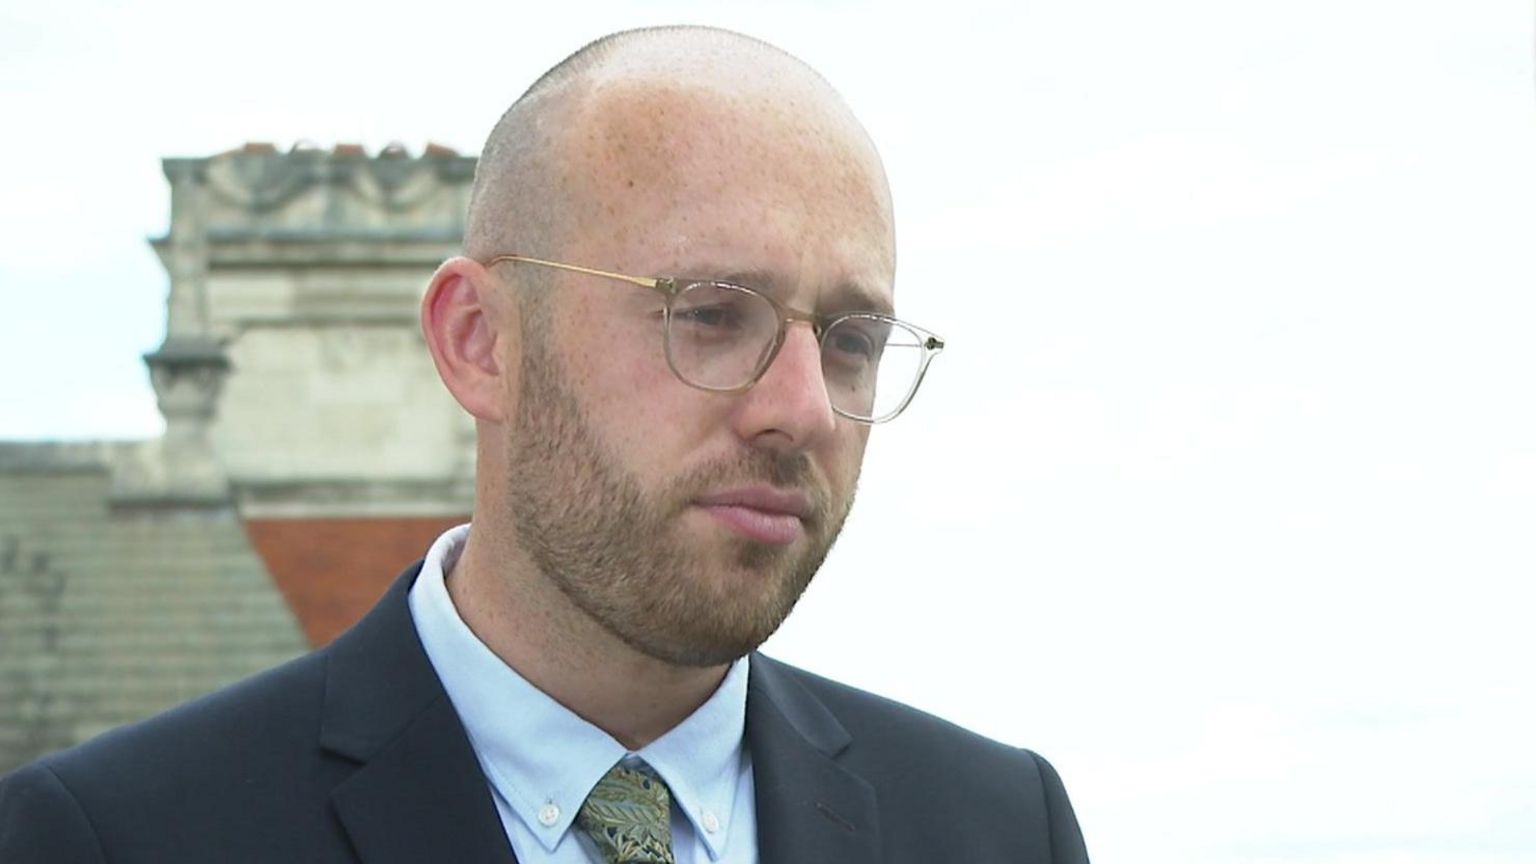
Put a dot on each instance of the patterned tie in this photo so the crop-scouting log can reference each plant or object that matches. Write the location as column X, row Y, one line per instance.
column 629, row 817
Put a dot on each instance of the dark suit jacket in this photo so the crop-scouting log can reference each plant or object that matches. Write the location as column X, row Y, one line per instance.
column 354, row 753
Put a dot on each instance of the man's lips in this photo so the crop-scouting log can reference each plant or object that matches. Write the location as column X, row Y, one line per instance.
column 760, row 513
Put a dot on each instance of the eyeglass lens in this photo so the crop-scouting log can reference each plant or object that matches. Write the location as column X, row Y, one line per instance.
column 719, row 337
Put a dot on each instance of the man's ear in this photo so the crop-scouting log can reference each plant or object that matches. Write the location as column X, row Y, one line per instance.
column 469, row 320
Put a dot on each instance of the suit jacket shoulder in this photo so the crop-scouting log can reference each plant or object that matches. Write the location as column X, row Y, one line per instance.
column 211, row 768
column 351, row 752
column 940, row 788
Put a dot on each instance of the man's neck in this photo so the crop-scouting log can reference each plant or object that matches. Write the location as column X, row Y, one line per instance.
column 534, row 628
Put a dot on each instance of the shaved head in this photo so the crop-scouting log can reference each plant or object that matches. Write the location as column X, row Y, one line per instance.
column 635, row 105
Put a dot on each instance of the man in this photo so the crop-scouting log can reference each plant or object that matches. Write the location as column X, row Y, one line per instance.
column 673, row 325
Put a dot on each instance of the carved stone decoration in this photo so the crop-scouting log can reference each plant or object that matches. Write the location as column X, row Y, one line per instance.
column 261, row 181
column 257, row 187
column 188, row 374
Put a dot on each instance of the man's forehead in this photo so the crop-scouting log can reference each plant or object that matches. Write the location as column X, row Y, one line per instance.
column 667, row 142
column 844, row 294
column 823, row 234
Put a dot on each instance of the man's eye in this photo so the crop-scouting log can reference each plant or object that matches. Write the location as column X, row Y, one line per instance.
column 853, row 344
column 709, row 317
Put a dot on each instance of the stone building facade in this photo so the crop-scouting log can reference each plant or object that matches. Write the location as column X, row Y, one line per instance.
column 309, row 452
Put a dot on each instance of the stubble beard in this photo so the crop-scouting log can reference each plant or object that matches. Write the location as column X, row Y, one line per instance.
column 615, row 551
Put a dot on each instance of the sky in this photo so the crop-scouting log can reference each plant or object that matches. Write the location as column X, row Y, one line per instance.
column 1222, row 495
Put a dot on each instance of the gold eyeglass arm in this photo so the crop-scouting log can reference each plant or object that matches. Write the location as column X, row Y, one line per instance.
column 653, row 284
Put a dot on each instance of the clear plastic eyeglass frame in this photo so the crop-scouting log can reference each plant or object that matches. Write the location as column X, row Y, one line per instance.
column 670, row 288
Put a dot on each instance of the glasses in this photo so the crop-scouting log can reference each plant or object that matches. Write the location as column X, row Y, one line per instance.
column 723, row 337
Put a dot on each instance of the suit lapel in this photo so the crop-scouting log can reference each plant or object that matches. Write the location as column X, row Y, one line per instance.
column 809, row 808
column 419, row 794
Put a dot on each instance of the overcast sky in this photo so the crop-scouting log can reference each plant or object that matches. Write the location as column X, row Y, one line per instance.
column 1224, row 495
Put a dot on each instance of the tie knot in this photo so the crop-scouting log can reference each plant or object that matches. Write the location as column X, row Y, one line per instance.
column 628, row 815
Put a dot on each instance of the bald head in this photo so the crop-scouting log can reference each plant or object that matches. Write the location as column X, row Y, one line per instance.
column 638, row 118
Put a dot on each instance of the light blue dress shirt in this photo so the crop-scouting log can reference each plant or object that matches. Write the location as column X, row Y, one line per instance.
column 541, row 759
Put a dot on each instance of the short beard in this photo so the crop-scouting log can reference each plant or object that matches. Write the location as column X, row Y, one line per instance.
column 590, row 528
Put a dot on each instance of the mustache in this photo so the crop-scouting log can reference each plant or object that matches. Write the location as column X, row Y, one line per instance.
column 780, row 469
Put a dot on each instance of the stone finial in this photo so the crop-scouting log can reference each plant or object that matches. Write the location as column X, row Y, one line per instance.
column 187, row 373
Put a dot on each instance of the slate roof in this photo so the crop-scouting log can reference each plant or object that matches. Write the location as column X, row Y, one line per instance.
column 110, row 614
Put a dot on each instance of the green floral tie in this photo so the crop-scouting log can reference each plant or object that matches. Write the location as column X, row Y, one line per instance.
column 629, row 817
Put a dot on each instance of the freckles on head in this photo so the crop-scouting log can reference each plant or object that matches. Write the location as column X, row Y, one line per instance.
column 659, row 122
column 647, row 145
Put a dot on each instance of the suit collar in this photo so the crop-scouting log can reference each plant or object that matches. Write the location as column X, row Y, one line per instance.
column 809, row 808
column 419, row 794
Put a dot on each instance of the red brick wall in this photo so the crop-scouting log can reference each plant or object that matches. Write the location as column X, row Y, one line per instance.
column 331, row 571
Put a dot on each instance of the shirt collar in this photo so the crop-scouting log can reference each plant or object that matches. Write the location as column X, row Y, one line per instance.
column 703, row 757
column 542, row 758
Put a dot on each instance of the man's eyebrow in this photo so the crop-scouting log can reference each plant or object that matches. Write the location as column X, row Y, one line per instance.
column 859, row 298
column 846, row 297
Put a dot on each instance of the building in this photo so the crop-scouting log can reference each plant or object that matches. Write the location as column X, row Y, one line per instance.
column 309, row 452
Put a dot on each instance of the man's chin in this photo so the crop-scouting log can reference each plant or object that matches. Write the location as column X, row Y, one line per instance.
column 736, row 604
column 727, row 644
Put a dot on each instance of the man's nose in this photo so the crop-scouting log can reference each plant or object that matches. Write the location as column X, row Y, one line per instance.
column 789, row 406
